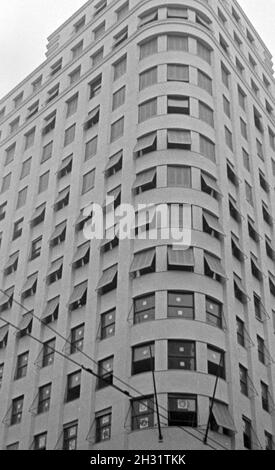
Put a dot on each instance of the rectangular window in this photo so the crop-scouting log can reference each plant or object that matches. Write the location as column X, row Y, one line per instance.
column 204, row 52
column 75, row 75
column 21, row 366
column 228, row 138
column 77, row 50
column 40, row 441
column 73, row 386
column 206, row 114
column 17, row 228
column 181, row 305
column 176, row 42
column 120, row 68
column 182, row 410
column 88, row 181
column 177, row 72
column 47, row 152
column 120, row 37
column 147, row 110
column 103, row 421
column 216, row 362
column 148, row 48
column 53, row 93
column 91, row 148
column 243, row 380
column 225, row 75
column 21, row 198
column 99, row 31
column 214, row 312
column 122, row 11
column 33, row 109
column 10, row 152
column 207, row 148
column 14, row 125
column 181, row 355
column 107, row 324
column 242, row 98
column 105, row 372
column 246, row 160
column 117, row 129
column 142, row 413
column 43, row 182
column 36, row 247
column 143, row 358
column 249, row 193
column 77, row 339
column 16, row 410
column 100, row 6
column 247, row 433
column 226, row 107
column 261, row 349
column 97, row 57
column 6, row 183
column 79, row 25
column 48, row 353
column 95, row 86
column 205, row 82
column 178, row 104
column 29, row 139
column 119, row 98
column 240, row 332
column 56, row 66
column 69, row 135
column 179, row 176
column 70, row 436
column 144, row 308
column 44, row 398
column 243, row 129
column 72, row 105
column 18, row 99
column 265, row 397
column 148, row 78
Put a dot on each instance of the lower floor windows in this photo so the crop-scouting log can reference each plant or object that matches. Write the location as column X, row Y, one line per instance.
column 143, row 358
column 182, row 355
column 182, row 410
column 216, row 362
column 143, row 413
column 40, row 441
column 144, row 308
column 70, row 436
column 213, row 312
column 247, row 433
column 181, row 305
column 103, row 422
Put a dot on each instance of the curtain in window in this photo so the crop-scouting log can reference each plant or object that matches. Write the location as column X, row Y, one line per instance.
column 204, row 52
column 177, row 43
column 148, row 48
column 207, row 148
column 206, row 114
column 148, row 78
column 147, row 110
column 177, row 72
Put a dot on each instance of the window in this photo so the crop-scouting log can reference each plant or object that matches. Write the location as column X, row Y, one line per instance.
column 214, row 312
column 179, row 176
column 144, row 308
column 17, row 228
column 48, row 353
column 100, row 6
column 118, row 98
column 206, row 114
column 105, row 372
column 77, row 50
column 226, row 107
column 18, row 99
column 254, row 87
column 38, row 216
column 6, row 183
column 1, row 374
column 16, row 410
column 14, row 125
column 247, row 433
column 120, row 68
column 117, row 129
column 265, row 397
column 225, row 75
column 244, row 380
column 249, row 193
column 88, row 181
column 148, row 48
column 55, row 271
column 26, row 168
column 266, row 215
column 271, row 135
column 176, row 42
column 103, row 421
column 47, row 152
column 181, row 355
column 243, row 128
column 122, row 11
column 120, row 37
column 177, row 72
column 33, row 109
column 3, row 210
column 72, row 105
column 239, row 66
column 91, row 148
column 148, row 78
column 36, row 247
column 181, row 305
column 10, row 152
column 2, row 113
column 56, row 67
column 44, row 398
column 143, row 358
column 261, row 350
column 148, row 18
column 21, row 366
column 79, row 296
column 224, row 44
column 204, row 52
column 40, row 441
column 69, row 135
column 204, row 82
column 107, row 324
column 240, row 332
column 207, row 148
column 95, row 86
column 43, row 182
column 246, row 160
column 50, row 122
column 178, row 104
column 182, row 410
column 65, row 167
column 53, row 93
column 269, row 442
column 70, row 436
column 99, row 31
column 93, row 118
column 97, row 57
column 21, row 198
column 142, row 413
column 147, row 110
column 242, row 98
column 29, row 139
column 73, row 386
column 258, row 120
column 215, row 362
column 237, row 40
column 74, row 76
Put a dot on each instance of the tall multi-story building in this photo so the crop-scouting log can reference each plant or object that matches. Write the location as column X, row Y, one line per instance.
column 151, row 102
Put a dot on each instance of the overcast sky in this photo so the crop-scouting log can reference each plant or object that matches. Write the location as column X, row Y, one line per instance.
column 25, row 25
